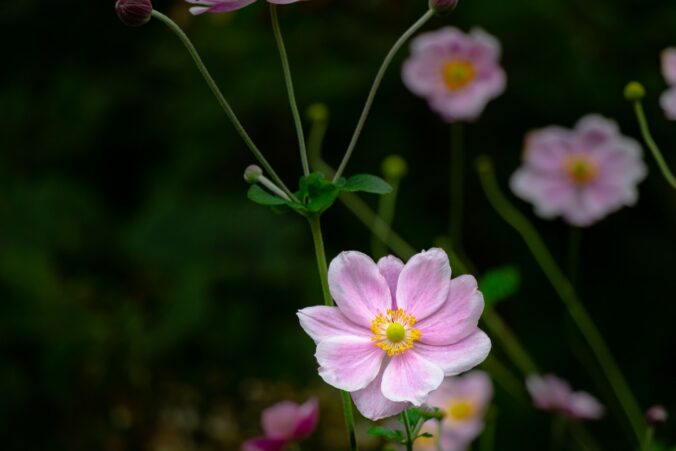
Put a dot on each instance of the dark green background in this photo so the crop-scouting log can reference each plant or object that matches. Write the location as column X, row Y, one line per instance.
column 144, row 302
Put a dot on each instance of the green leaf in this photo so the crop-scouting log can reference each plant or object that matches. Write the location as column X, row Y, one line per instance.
column 316, row 193
column 425, row 435
column 387, row 433
column 262, row 197
column 367, row 184
column 499, row 284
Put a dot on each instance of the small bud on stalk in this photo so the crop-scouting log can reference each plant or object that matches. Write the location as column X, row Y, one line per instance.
column 634, row 92
column 134, row 13
column 394, row 167
column 318, row 112
column 443, row 6
column 656, row 415
column 252, row 174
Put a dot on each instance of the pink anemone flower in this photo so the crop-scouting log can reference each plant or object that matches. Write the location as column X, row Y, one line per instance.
column 457, row 73
column 668, row 98
column 284, row 423
column 225, row 6
column 555, row 395
column 581, row 174
column 397, row 330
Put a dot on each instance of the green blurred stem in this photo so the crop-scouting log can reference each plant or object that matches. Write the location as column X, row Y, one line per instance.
column 289, row 87
column 582, row 437
column 407, row 427
column 374, row 88
column 565, row 291
column 457, row 184
column 437, row 439
column 516, row 352
column 574, row 247
column 221, row 99
column 652, row 145
column 504, row 377
column 386, row 207
column 487, row 438
column 558, row 431
column 648, row 439
column 315, row 227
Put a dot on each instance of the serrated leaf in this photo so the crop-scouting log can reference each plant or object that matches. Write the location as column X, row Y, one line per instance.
column 387, row 433
column 316, row 193
column 499, row 284
column 260, row 196
column 366, row 183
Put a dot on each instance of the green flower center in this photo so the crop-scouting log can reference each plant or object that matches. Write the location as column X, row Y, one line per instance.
column 395, row 332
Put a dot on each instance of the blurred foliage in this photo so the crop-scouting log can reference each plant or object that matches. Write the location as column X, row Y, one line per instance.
column 147, row 304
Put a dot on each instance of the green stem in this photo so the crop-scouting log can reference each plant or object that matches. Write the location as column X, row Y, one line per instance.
column 374, row 88
column 565, row 291
column 652, row 145
column 558, row 430
column 437, row 439
column 487, row 439
column 510, row 343
column 386, row 208
column 457, row 184
column 504, row 377
column 583, row 438
column 315, row 227
column 648, row 440
column 407, row 427
column 574, row 246
column 221, row 99
column 289, row 87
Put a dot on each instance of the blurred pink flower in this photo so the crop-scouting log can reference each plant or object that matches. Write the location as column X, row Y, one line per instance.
column 553, row 394
column 284, row 423
column 224, row 6
column 397, row 329
column 668, row 98
column 582, row 174
column 457, row 73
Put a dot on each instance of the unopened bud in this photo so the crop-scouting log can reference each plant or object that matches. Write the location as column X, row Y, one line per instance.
column 394, row 167
column 656, row 416
column 443, row 6
column 134, row 13
column 318, row 112
column 252, row 174
column 634, row 91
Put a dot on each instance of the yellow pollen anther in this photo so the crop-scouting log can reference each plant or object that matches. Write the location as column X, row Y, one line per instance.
column 581, row 169
column 393, row 331
column 461, row 410
column 458, row 74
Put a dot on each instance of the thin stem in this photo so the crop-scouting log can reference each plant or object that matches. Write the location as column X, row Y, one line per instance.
column 376, row 84
column 510, row 343
column 318, row 129
column 648, row 440
column 565, row 291
column 315, row 227
column 558, row 430
column 289, row 87
column 407, row 427
column 386, row 208
column 221, row 99
column 457, row 184
column 487, row 440
column 504, row 377
column 272, row 187
column 437, row 439
column 582, row 437
column 574, row 247
column 652, row 145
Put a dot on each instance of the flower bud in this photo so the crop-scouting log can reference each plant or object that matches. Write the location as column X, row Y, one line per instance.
column 134, row 13
column 656, row 416
column 252, row 174
column 443, row 6
column 318, row 112
column 394, row 167
column 634, row 91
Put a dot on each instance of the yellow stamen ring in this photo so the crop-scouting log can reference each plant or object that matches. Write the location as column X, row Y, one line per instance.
column 393, row 331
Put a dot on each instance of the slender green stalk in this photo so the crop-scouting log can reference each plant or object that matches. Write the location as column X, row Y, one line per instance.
column 386, row 207
column 221, row 99
column 508, row 340
column 504, row 377
column 648, row 440
column 565, row 291
column 457, row 184
column 582, row 437
column 487, row 439
column 319, row 117
column 289, row 87
column 558, row 431
column 315, row 227
column 374, row 88
column 437, row 438
column 407, row 427
column 652, row 145
column 574, row 247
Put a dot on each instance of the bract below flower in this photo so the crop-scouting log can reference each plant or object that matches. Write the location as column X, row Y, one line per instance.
column 284, row 423
column 225, row 6
column 457, row 73
column 397, row 329
column 581, row 174
column 555, row 395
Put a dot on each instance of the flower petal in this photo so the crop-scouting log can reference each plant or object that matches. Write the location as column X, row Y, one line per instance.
column 372, row 404
column 669, row 65
column 409, row 377
column 668, row 103
column 458, row 316
column 308, row 417
column 263, row 444
column 585, row 406
column 459, row 357
column 279, row 421
column 424, row 283
column 348, row 363
column 390, row 267
column 358, row 288
column 321, row 322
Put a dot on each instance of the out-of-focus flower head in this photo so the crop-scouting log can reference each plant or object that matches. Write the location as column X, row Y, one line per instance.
column 656, row 415
column 284, row 423
column 226, row 6
column 134, row 13
column 457, row 73
column 553, row 394
column 443, row 6
column 668, row 98
column 582, row 174
column 397, row 329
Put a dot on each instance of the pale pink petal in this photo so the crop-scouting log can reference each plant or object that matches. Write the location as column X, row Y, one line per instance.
column 550, row 194
column 217, row 6
column 484, row 46
column 279, row 421
column 372, row 404
column 584, row 406
column 548, row 392
column 458, row 316
column 348, row 363
column 547, row 148
column 424, row 283
column 409, row 377
column 360, row 291
column 459, row 357
column 321, row 322
column 307, row 419
column 669, row 65
column 668, row 103
column 283, row 2
column 390, row 267
column 595, row 130
column 423, row 75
